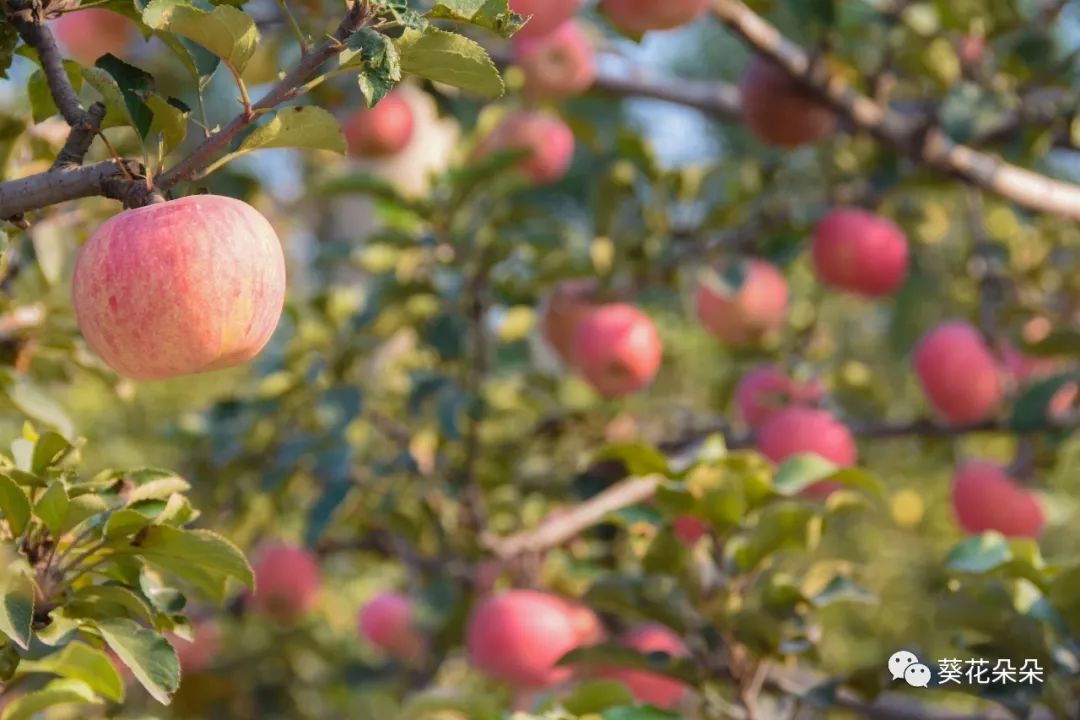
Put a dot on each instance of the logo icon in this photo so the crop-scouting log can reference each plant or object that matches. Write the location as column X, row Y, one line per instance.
column 917, row 675
column 900, row 661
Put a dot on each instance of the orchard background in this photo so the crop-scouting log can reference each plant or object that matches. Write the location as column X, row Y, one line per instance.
column 642, row 360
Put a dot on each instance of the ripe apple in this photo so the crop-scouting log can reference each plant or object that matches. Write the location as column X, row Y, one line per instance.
column 181, row 287
column 287, row 582
column 547, row 139
column 766, row 389
column 640, row 16
column 986, row 498
column 958, row 372
column 648, row 687
column 199, row 653
column 546, row 15
column 689, row 529
column 518, row 636
column 388, row 622
column 860, row 252
column 561, row 312
column 796, row 430
column 88, row 34
column 617, row 349
column 588, row 628
column 779, row 110
column 559, row 65
column 385, row 129
column 742, row 314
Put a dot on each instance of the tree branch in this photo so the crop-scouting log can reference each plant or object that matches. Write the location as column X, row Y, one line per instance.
column 928, row 145
column 289, row 87
column 105, row 178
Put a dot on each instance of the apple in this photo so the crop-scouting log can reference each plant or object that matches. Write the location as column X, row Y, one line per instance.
column 287, row 582
column 180, row 287
column 860, row 252
column 779, row 110
column 742, row 313
column 385, row 129
column 689, row 529
column 985, row 498
column 641, row 16
column 518, row 636
column 88, row 34
column 971, row 49
column 548, row 141
column 617, row 349
column 766, row 389
column 649, row 687
column 388, row 622
column 588, row 629
column 958, row 373
column 561, row 312
column 559, row 65
column 797, row 430
column 544, row 15
column 199, row 653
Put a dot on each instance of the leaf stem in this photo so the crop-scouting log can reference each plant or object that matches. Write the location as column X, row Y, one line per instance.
column 295, row 26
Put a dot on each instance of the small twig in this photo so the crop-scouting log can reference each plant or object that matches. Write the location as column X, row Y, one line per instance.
column 295, row 26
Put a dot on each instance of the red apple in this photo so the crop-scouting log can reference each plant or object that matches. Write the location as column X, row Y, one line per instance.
column 958, row 373
column 561, row 312
column 588, row 628
column 986, row 498
column 689, row 529
column 180, row 287
column 88, row 34
column 617, row 349
column 766, row 389
column 559, row 65
column 860, row 252
column 649, row 687
column 779, row 110
column 971, row 50
column 385, row 129
column 388, row 622
column 548, row 140
column 796, row 430
column 641, row 16
column 287, row 582
column 742, row 315
column 546, row 15
column 199, row 653
column 518, row 636
column 1025, row 368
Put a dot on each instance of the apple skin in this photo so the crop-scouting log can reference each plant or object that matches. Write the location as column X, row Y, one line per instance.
column 383, row 130
column 519, row 635
column 860, row 252
column 287, row 582
column 546, row 15
column 640, row 16
column 689, row 529
column 198, row 654
column 745, row 316
column 181, row 287
column 388, row 622
column 617, row 349
column 766, row 389
column 647, row 687
column 796, row 430
column 557, row 66
column 88, row 34
column 958, row 373
column 548, row 139
column 562, row 311
column 778, row 110
column 984, row 498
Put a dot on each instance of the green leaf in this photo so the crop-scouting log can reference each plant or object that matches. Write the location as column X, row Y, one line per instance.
column 202, row 558
column 979, row 554
column 170, row 120
column 378, row 60
column 493, row 15
column 449, row 58
column 801, row 471
column 1032, row 409
column 9, row 38
column 593, row 696
column 781, row 526
column 14, row 504
column 125, row 523
column 124, row 89
column 79, row 661
column 228, row 33
column 619, row 656
column 156, row 488
column 29, row 399
column 306, row 126
column 842, row 589
column 126, row 598
column 638, row 458
column 1060, row 341
column 150, row 657
column 64, row 691
column 643, row 712
column 433, row 703
column 52, row 507
column 82, row 508
column 17, row 605
column 42, row 106
column 48, row 450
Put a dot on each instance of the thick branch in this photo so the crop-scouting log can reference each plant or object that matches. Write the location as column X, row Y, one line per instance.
column 57, row 186
column 929, row 146
column 288, row 88
column 30, row 25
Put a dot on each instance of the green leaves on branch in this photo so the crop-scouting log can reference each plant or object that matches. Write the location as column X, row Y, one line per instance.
column 493, row 15
column 449, row 58
column 228, row 33
column 306, row 127
column 379, row 61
